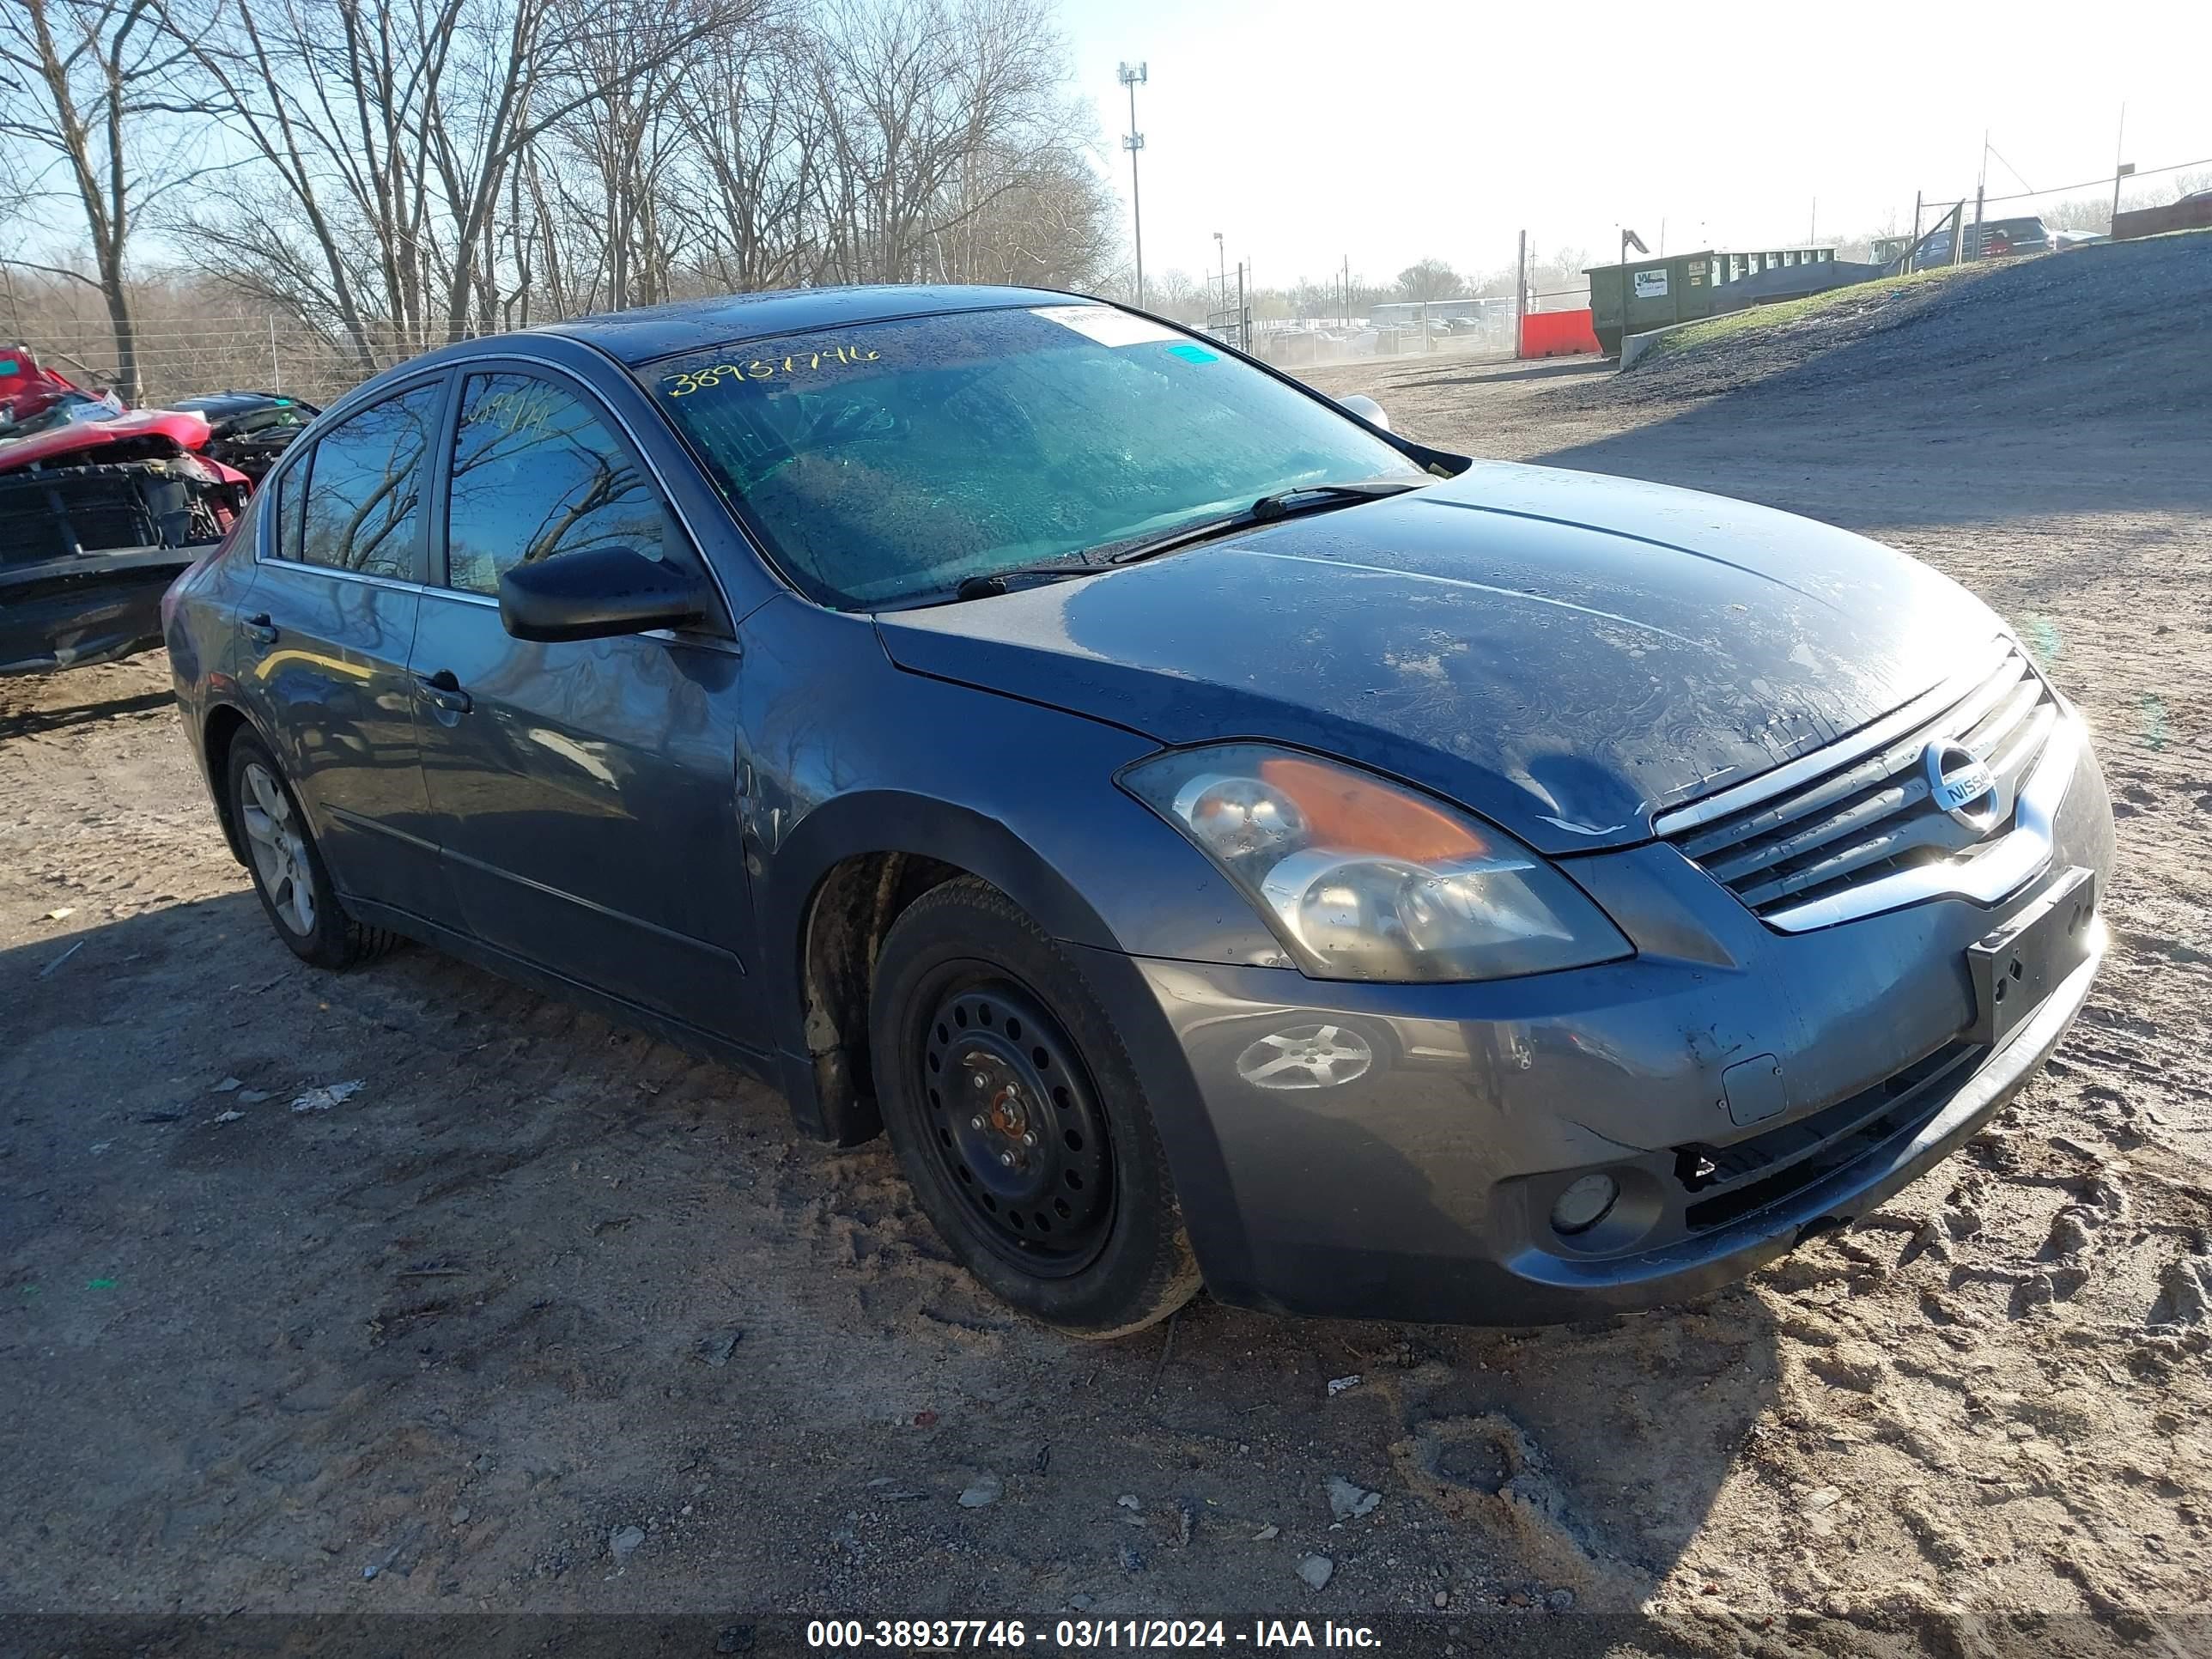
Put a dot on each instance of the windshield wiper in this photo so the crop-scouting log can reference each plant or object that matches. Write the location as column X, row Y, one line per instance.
column 1283, row 504
column 992, row 583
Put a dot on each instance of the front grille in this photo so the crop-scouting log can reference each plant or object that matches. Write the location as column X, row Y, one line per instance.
column 1871, row 814
column 1727, row 1181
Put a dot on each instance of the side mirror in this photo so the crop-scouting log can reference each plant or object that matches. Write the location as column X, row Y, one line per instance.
column 598, row 593
column 1367, row 408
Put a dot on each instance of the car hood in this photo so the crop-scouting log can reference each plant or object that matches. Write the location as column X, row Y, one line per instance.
column 136, row 434
column 1562, row 653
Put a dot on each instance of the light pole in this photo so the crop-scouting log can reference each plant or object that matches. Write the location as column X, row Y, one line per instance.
column 1132, row 141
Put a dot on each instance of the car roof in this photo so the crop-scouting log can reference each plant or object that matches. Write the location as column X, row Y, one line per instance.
column 662, row 331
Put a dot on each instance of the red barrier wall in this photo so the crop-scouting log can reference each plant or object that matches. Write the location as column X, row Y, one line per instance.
column 1557, row 334
column 2156, row 222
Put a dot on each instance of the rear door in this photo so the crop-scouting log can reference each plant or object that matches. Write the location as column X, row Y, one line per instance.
column 327, row 626
column 585, row 790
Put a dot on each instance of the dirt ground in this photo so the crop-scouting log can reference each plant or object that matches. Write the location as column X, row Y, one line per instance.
column 548, row 1317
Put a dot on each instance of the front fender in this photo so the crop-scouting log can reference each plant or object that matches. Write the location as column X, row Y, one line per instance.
column 846, row 754
column 891, row 820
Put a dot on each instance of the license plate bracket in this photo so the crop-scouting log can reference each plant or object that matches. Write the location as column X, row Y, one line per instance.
column 2017, row 966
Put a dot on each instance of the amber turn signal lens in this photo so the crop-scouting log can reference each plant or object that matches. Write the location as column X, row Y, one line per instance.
column 1344, row 809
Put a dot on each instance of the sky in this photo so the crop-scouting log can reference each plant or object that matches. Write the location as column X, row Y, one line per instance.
column 1306, row 131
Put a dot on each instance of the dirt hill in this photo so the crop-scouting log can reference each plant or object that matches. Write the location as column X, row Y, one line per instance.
column 2114, row 330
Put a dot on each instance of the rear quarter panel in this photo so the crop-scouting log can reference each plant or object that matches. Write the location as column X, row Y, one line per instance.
column 204, row 642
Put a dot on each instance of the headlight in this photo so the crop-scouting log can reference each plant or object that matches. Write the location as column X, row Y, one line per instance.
column 1364, row 880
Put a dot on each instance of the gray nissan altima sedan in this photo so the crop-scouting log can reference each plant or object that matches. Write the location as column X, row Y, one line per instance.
column 1217, row 840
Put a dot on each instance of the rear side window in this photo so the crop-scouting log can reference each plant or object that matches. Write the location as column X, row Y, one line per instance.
column 291, row 507
column 537, row 473
column 361, row 494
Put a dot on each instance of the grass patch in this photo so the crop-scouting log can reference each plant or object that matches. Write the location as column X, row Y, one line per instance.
column 1784, row 312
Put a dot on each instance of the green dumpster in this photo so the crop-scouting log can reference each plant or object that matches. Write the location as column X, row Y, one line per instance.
column 1652, row 293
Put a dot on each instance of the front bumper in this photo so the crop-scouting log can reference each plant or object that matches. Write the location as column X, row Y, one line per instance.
column 1747, row 1088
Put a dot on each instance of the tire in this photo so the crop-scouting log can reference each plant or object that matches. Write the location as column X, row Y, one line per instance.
column 288, row 875
column 1023, row 1131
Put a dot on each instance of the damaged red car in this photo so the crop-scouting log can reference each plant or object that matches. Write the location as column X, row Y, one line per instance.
column 102, row 507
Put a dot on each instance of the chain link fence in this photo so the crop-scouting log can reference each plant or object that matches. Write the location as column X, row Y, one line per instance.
column 1995, row 222
column 183, row 348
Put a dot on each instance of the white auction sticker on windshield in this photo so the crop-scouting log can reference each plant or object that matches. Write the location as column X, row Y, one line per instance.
column 1106, row 326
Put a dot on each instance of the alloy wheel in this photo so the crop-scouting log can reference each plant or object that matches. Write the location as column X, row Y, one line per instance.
column 279, row 847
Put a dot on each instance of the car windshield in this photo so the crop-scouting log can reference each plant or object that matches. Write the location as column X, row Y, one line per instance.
column 41, row 411
column 887, row 462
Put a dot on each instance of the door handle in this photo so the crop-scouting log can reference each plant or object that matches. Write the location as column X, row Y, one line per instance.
column 443, row 690
column 257, row 627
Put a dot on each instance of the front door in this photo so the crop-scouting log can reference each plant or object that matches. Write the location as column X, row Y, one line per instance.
column 327, row 626
column 584, row 791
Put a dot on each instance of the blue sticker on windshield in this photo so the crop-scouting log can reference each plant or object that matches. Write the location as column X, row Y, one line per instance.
column 1193, row 353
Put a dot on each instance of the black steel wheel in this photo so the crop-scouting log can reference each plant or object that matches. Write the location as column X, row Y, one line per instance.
column 1015, row 1123
column 1018, row 1119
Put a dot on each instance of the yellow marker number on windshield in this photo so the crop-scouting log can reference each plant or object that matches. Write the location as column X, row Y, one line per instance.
column 683, row 383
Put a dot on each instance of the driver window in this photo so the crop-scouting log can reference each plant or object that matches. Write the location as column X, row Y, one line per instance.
column 537, row 473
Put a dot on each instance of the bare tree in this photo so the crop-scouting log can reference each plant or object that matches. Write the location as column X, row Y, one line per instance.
column 2082, row 213
column 1176, row 294
column 1028, row 208
column 398, row 141
column 14, row 188
column 916, row 90
column 96, row 78
column 419, row 170
column 2187, row 184
column 1431, row 279
column 633, row 143
column 332, row 97
column 755, row 140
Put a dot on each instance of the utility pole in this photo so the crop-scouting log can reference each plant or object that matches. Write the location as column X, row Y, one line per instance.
column 1132, row 141
column 1981, row 189
column 1520, row 292
column 2120, row 169
column 1221, row 257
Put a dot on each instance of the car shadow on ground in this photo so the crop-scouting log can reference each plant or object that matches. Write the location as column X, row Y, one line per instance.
column 1505, row 371
column 31, row 721
column 1768, row 445
column 396, row 1254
